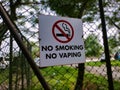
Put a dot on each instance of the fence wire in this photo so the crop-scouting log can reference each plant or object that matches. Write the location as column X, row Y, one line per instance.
column 16, row 73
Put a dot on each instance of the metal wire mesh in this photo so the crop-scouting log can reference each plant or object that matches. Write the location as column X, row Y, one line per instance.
column 16, row 73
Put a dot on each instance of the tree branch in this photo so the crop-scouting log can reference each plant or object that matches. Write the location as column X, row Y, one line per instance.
column 3, row 30
column 114, row 24
column 83, row 6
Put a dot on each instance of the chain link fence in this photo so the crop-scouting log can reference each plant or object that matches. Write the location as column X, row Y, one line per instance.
column 15, row 71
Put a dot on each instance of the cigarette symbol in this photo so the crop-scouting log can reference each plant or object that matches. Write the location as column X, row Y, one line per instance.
column 65, row 27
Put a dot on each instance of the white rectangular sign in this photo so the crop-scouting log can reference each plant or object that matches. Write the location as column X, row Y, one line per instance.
column 61, row 41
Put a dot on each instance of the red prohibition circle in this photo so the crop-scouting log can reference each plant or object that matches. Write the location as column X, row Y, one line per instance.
column 68, row 39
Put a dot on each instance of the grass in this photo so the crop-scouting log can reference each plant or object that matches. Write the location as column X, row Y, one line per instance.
column 98, row 82
column 115, row 63
column 58, row 77
column 94, row 81
column 3, row 75
column 98, row 63
column 64, row 78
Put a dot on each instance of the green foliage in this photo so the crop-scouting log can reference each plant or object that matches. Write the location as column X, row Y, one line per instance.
column 35, row 49
column 92, row 46
column 87, row 9
column 4, row 75
column 71, row 8
column 112, row 43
